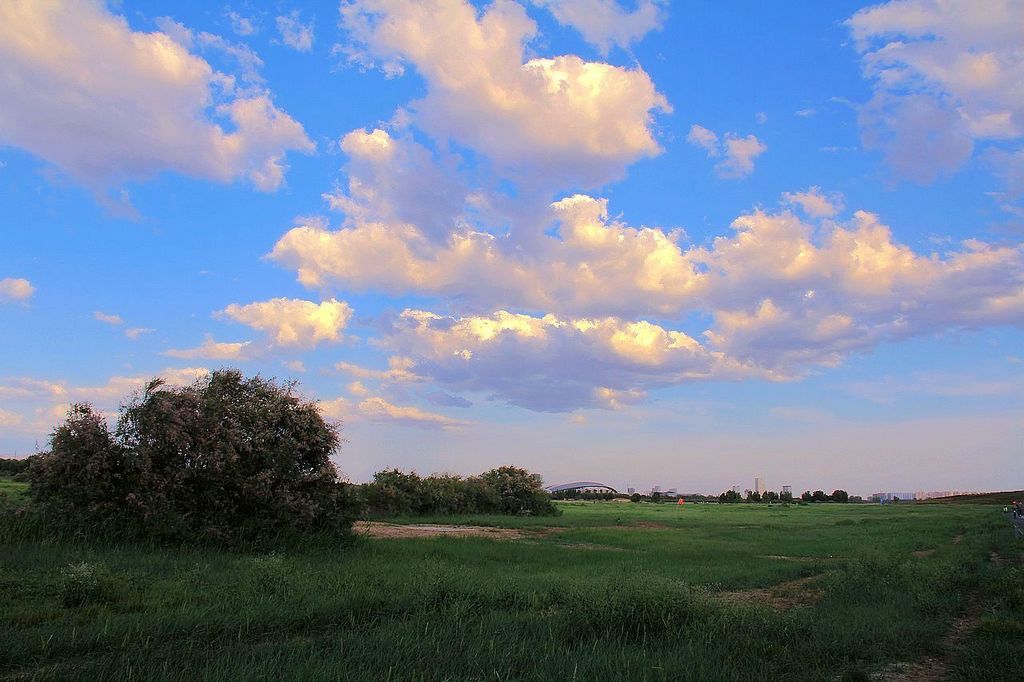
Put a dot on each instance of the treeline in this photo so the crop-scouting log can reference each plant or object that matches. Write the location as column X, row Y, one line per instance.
column 731, row 497
column 505, row 490
column 15, row 468
column 230, row 461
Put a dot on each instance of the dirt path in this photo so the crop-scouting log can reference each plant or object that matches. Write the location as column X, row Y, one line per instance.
column 379, row 529
column 781, row 597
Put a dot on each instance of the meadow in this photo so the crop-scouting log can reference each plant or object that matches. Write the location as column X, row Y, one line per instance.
column 605, row 590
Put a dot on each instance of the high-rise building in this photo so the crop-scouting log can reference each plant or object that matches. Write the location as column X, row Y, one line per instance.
column 759, row 486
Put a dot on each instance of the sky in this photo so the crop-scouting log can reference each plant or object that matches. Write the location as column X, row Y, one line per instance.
column 642, row 243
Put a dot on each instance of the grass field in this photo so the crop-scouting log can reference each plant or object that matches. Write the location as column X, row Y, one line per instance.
column 609, row 590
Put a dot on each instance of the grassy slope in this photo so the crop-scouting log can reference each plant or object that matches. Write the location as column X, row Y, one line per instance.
column 1004, row 497
column 568, row 605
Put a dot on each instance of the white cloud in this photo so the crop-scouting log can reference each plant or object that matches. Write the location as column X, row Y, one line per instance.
column 213, row 350
column 295, row 365
column 293, row 322
column 815, row 203
column 605, row 23
column 552, row 364
column 706, row 139
column 15, row 289
column 108, row 104
column 736, row 154
column 946, row 76
column 107, row 318
column 38, row 404
column 134, row 333
column 561, row 119
column 242, row 25
column 380, row 410
column 294, row 33
column 399, row 371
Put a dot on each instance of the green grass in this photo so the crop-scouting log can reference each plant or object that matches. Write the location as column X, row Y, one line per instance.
column 621, row 591
column 12, row 493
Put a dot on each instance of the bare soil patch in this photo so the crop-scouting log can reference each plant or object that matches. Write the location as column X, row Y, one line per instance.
column 380, row 529
column 922, row 553
column 782, row 557
column 781, row 597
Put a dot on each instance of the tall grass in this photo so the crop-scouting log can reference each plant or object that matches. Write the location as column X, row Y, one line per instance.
column 620, row 591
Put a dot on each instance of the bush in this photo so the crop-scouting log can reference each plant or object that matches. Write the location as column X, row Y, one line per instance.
column 506, row 490
column 227, row 460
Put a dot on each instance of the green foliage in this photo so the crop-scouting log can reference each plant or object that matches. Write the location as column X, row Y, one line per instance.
column 14, row 468
column 839, row 496
column 635, row 497
column 506, row 490
column 227, row 460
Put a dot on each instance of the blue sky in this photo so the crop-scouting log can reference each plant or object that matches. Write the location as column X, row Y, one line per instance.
column 644, row 243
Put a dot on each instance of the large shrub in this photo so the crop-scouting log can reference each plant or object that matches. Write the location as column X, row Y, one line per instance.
column 506, row 490
column 519, row 491
column 226, row 459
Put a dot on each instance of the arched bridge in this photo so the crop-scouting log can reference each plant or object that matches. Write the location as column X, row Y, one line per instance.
column 577, row 485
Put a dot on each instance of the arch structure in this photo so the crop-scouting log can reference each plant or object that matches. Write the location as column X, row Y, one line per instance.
column 580, row 485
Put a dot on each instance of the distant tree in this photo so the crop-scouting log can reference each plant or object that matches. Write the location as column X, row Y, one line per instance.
column 635, row 497
column 806, row 496
column 786, row 497
column 771, row 496
column 753, row 496
column 839, row 496
column 819, row 496
column 729, row 496
column 656, row 497
column 519, row 491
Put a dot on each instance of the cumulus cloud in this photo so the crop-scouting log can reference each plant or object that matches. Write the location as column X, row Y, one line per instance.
column 293, row 322
column 108, row 104
column 606, row 23
column 814, row 203
column 782, row 296
column 735, row 154
column 294, row 33
column 588, row 264
column 15, row 289
column 553, row 364
column 213, row 350
column 562, row 119
column 946, row 76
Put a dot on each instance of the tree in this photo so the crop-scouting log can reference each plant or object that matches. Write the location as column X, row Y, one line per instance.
column 839, row 496
column 226, row 459
column 753, row 496
column 806, row 496
column 656, row 496
column 518, row 491
column 786, row 496
column 729, row 496
column 635, row 497
column 771, row 496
